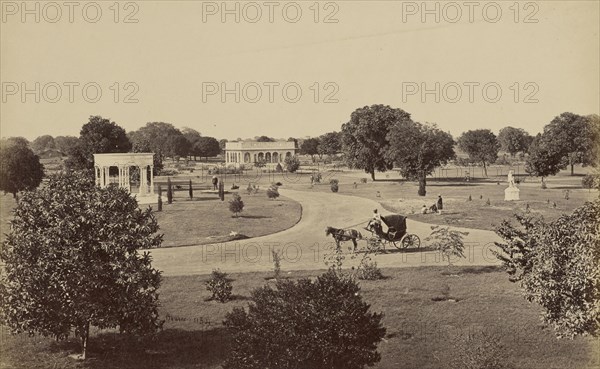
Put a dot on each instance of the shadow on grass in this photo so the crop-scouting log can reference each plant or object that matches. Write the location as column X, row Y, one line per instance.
column 481, row 269
column 253, row 217
column 171, row 348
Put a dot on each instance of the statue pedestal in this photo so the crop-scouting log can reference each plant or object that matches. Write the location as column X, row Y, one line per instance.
column 511, row 194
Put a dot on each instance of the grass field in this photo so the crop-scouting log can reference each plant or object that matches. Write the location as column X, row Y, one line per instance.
column 425, row 311
column 208, row 219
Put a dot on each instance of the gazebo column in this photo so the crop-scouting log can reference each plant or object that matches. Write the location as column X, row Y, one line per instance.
column 106, row 176
column 97, row 175
column 143, row 184
column 152, row 179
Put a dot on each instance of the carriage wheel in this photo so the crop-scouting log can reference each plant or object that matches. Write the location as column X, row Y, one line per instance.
column 411, row 240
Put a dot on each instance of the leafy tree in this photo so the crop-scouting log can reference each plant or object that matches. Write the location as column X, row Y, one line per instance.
column 207, row 146
column 177, row 146
column 192, row 136
column 310, row 147
column 71, row 262
column 294, row 140
column 63, row 143
column 236, row 205
column 156, row 137
column 544, row 159
column 514, row 140
column 448, row 242
column 18, row 141
column 364, row 137
column 265, row 139
column 20, row 168
column 43, row 143
column 98, row 136
column 287, row 327
column 481, row 145
column 291, row 164
column 220, row 286
column 558, row 266
column 418, row 149
column 222, row 144
column 330, row 143
column 575, row 137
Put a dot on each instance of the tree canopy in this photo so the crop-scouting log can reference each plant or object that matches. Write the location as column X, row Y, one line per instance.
column 330, row 143
column 43, row 143
column 418, row 149
column 514, row 140
column 98, row 136
column 20, row 168
column 544, row 159
column 207, row 146
column 310, row 146
column 364, row 137
column 481, row 145
column 575, row 137
column 71, row 261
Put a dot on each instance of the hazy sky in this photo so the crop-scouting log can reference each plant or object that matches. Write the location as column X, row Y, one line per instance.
column 542, row 56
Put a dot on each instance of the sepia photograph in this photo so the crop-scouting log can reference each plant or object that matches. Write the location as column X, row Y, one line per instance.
column 306, row 184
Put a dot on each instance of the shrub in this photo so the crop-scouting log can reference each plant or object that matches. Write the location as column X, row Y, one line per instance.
column 480, row 350
column 168, row 172
column 316, row 177
column 363, row 180
column 292, row 164
column 191, row 190
column 590, row 181
column 160, row 204
column 369, row 271
column 236, row 205
column 321, row 324
column 334, row 185
column 273, row 192
column 220, row 286
column 276, row 263
column 260, row 163
column 557, row 265
column 448, row 242
column 279, row 168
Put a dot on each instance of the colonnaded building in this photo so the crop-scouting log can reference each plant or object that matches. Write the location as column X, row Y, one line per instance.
column 249, row 152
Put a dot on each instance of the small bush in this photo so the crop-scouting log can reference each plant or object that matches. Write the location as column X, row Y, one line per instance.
column 292, row 164
column 273, row 192
column 278, row 168
column 169, row 191
column 236, row 205
column 369, row 271
column 590, row 181
column 479, row 351
column 220, row 286
column 334, row 183
column 276, row 263
column 363, row 180
column 305, row 324
column 160, row 204
column 316, row 177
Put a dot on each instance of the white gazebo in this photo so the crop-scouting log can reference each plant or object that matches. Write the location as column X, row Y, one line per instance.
column 124, row 161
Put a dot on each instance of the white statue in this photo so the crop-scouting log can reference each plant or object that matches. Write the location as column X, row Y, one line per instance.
column 511, row 180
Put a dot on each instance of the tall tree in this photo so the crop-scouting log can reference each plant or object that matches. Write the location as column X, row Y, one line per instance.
column 43, row 143
column 20, row 168
column 481, row 145
column 575, row 136
column 72, row 261
column 310, row 146
column 364, row 137
column 330, row 143
column 265, row 139
column 192, row 136
column 222, row 144
column 98, row 136
column 207, row 146
column 544, row 159
column 514, row 140
column 63, row 143
column 418, row 149
column 155, row 137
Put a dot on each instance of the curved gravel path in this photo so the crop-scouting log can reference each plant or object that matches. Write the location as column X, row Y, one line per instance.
column 304, row 245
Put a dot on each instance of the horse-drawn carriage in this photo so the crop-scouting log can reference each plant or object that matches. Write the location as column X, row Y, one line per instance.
column 396, row 233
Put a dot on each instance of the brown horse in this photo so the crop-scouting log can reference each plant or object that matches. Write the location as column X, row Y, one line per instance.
column 341, row 235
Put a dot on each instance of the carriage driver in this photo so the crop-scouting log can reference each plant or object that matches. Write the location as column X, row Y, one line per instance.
column 375, row 221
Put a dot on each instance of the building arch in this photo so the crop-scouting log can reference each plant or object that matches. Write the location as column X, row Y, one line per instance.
column 275, row 157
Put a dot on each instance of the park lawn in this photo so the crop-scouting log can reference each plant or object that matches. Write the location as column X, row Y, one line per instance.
column 420, row 331
column 400, row 196
column 206, row 219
